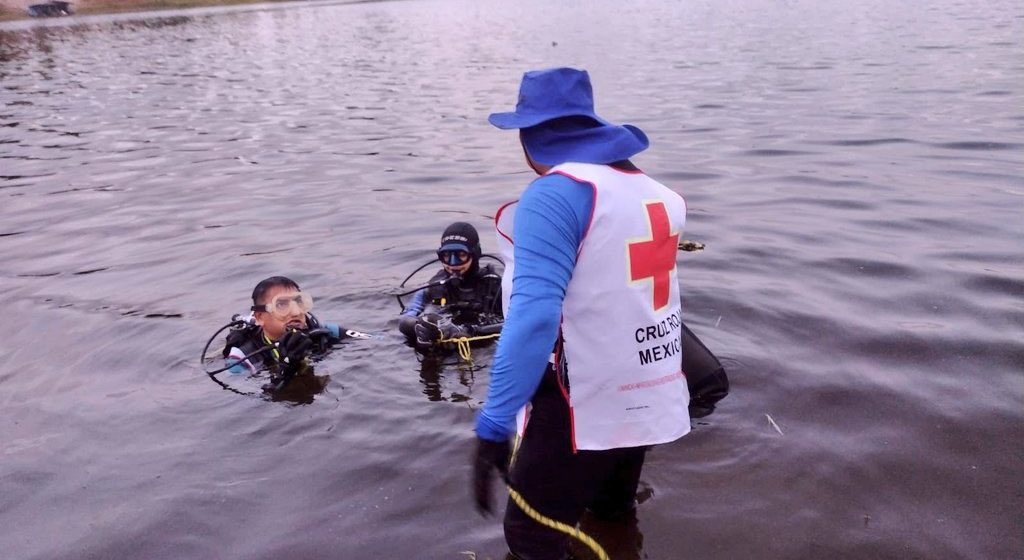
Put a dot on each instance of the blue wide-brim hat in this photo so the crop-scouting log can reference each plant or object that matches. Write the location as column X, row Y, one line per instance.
column 547, row 100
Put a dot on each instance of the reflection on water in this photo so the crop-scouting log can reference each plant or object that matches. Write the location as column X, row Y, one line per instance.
column 853, row 169
column 302, row 388
column 441, row 372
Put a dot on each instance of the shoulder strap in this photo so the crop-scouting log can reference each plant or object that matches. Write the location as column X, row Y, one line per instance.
column 435, row 293
column 312, row 322
column 244, row 339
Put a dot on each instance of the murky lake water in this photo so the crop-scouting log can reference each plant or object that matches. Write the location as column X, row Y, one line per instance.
column 855, row 170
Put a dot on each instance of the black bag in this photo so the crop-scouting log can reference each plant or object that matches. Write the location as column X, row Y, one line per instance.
column 705, row 376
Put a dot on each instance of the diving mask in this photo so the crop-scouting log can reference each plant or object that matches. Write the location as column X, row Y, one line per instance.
column 281, row 305
column 453, row 257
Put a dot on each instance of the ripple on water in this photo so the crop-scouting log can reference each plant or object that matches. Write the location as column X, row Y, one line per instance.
column 980, row 353
column 683, row 176
column 988, row 256
column 855, row 186
column 705, row 130
column 995, row 284
column 772, row 152
column 858, row 267
column 979, row 145
column 856, row 142
column 1004, row 178
column 821, row 202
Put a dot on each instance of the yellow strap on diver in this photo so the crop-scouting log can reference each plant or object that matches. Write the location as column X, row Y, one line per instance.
column 462, row 343
column 273, row 349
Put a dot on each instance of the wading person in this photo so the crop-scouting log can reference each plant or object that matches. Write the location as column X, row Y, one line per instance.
column 593, row 321
column 462, row 300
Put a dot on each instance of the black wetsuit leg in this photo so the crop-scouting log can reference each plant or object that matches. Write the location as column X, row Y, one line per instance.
column 407, row 326
column 561, row 484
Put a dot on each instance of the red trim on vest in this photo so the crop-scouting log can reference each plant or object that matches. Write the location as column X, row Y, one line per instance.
column 497, row 216
column 558, row 350
column 561, row 387
column 572, row 424
column 593, row 207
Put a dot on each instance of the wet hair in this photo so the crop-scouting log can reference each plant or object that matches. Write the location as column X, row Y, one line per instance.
column 264, row 286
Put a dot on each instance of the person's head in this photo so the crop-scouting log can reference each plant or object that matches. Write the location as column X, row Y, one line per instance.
column 279, row 305
column 460, row 249
column 557, row 123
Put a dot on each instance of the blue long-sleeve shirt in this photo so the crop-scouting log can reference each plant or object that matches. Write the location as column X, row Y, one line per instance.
column 550, row 222
column 417, row 305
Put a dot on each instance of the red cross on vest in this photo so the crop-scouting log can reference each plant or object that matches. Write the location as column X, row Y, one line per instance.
column 655, row 257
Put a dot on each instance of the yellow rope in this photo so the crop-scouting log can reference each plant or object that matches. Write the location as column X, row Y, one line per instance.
column 462, row 343
column 573, row 532
column 539, row 517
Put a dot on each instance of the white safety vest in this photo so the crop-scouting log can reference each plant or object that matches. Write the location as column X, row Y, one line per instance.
column 621, row 315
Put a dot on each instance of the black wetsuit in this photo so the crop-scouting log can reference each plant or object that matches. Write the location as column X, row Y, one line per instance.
column 250, row 338
column 460, row 306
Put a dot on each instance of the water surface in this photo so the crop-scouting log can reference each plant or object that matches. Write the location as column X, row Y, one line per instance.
column 854, row 170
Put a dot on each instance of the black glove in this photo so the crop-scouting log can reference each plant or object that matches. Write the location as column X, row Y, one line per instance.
column 490, row 455
column 322, row 339
column 294, row 346
column 428, row 330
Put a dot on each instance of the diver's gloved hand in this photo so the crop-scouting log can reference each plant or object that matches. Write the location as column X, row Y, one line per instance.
column 294, row 346
column 428, row 330
column 490, row 455
column 321, row 338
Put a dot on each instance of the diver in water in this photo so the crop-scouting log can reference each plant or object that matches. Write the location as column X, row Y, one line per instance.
column 462, row 300
column 280, row 334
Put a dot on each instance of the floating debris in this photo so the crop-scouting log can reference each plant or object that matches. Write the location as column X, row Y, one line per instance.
column 774, row 425
column 690, row 246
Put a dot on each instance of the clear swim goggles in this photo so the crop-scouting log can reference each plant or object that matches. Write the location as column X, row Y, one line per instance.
column 281, row 305
column 453, row 257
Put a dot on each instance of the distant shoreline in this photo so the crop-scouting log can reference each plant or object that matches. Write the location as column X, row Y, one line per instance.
column 11, row 10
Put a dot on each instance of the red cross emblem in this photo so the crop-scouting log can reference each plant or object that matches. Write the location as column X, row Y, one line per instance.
column 654, row 257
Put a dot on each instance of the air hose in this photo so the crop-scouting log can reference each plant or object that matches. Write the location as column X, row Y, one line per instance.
column 235, row 322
